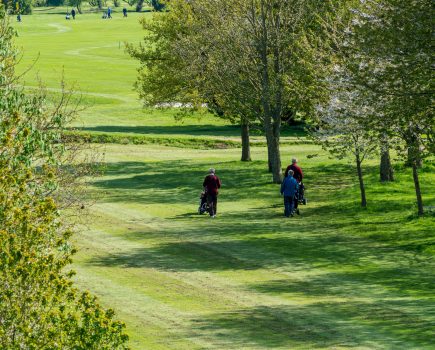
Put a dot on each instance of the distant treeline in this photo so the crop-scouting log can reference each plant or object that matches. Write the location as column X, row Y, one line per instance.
column 25, row 6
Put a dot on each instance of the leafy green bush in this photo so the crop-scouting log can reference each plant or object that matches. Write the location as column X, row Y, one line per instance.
column 39, row 306
column 18, row 6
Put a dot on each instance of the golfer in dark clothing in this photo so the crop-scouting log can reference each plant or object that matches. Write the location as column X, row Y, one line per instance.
column 289, row 188
column 211, row 185
column 124, row 11
column 298, row 175
column 73, row 14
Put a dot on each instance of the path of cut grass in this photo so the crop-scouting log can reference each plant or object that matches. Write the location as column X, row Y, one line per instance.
column 337, row 277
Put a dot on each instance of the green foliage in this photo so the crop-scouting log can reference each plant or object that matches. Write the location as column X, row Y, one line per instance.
column 246, row 60
column 23, row 7
column 157, row 5
column 55, row 2
column 75, row 3
column 39, row 307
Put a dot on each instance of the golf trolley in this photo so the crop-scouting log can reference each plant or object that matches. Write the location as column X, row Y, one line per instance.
column 300, row 195
column 203, row 205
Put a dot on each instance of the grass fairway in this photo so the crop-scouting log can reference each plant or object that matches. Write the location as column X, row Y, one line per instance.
column 336, row 277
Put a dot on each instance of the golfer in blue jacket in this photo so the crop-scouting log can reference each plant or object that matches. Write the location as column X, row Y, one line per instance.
column 289, row 188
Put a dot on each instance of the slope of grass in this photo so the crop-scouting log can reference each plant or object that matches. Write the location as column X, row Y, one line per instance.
column 335, row 277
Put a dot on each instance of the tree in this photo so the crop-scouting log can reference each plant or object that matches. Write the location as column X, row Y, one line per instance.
column 23, row 7
column 39, row 308
column 77, row 4
column 245, row 55
column 97, row 3
column 392, row 58
column 341, row 127
column 55, row 2
column 157, row 5
column 139, row 5
column 130, row 2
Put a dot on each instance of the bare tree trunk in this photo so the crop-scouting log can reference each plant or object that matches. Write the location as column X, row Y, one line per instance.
column 413, row 153
column 139, row 5
column 246, row 148
column 417, row 188
column 79, row 10
column 274, row 153
column 385, row 169
column 272, row 121
column 361, row 180
column 100, row 4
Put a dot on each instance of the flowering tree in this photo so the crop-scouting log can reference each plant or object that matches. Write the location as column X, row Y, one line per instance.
column 392, row 57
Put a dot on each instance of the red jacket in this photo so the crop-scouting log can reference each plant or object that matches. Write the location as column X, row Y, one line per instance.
column 212, row 184
column 297, row 172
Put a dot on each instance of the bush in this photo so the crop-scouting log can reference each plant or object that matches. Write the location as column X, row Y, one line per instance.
column 39, row 306
column 18, row 6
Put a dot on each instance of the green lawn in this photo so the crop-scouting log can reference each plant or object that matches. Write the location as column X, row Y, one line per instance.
column 336, row 277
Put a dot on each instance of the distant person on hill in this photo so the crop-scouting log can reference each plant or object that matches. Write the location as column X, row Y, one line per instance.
column 298, row 175
column 109, row 12
column 19, row 17
column 73, row 14
column 289, row 188
column 124, row 11
column 211, row 186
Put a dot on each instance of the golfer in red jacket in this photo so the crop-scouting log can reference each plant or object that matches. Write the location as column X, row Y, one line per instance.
column 211, row 185
column 298, row 175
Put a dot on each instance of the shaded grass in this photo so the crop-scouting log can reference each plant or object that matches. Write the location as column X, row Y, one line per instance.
column 337, row 276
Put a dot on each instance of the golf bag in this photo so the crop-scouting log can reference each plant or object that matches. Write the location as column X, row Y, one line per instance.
column 300, row 195
column 203, row 205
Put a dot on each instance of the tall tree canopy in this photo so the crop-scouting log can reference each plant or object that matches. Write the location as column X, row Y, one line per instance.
column 390, row 54
column 249, row 58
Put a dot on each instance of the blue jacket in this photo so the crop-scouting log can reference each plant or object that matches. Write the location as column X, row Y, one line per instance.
column 289, row 186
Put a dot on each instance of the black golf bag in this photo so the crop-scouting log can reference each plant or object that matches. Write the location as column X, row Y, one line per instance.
column 300, row 195
column 203, row 205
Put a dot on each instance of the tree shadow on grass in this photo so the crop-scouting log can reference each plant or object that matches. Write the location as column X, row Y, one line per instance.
column 374, row 325
column 178, row 181
column 418, row 282
column 286, row 253
column 196, row 130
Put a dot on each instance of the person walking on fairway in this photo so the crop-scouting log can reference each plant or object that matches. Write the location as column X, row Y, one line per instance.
column 124, row 11
column 298, row 175
column 73, row 14
column 109, row 12
column 211, row 185
column 289, row 188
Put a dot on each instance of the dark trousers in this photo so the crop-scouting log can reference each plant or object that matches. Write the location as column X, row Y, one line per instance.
column 288, row 205
column 212, row 203
column 296, row 202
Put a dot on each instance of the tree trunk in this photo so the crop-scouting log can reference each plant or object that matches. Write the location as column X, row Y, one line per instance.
column 79, row 10
column 414, row 157
column 139, row 5
column 386, row 169
column 272, row 121
column 100, row 4
column 246, row 148
column 274, row 154
column 417, row 188
column 361, row 180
